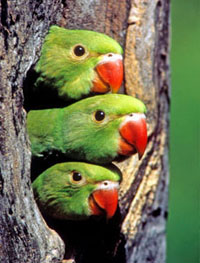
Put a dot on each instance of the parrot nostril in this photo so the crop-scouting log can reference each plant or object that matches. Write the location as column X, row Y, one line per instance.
column 105, row 183
column 131, row 115
column 110, row 55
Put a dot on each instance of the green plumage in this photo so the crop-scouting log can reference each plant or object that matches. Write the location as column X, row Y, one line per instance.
column 61, row 69
column 59, row 196
column 74, row 131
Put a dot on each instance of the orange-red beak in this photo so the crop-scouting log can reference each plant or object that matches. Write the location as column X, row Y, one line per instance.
column 104, row 201
column 133, row 133
column 109, row 74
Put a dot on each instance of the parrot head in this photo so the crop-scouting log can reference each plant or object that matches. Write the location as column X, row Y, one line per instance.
column 98, row 129
column 80, row 62
column 102, row 128
column 77, row 190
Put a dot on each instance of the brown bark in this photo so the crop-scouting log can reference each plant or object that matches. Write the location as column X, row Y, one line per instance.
column 144, row 192
column 141, row 26
column 24, row 237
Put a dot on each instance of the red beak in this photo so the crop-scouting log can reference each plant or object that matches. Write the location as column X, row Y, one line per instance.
column 104, row 201
column 110, row 74
column 134, row 135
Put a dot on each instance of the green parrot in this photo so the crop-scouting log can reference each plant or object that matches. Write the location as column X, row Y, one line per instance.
column 77, row 190
column 97, row 129
column 76, row 63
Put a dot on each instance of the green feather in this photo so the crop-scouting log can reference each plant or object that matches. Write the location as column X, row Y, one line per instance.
column 59, row 69
column 59, row 196
column 74, row 131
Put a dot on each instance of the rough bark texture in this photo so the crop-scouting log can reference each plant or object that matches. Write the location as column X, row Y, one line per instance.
column 144, row 192
column 141, row 26
column 24, row 237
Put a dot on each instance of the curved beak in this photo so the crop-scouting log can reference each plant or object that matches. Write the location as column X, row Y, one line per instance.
column 133, row 131
column 105, row 199
column 109, row 74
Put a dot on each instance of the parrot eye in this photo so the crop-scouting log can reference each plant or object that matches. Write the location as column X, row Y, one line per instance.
column 79, row 50
column 76, row 176
column 99, row 115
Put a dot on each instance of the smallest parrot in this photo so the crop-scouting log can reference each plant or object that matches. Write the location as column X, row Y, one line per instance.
column 77, row 190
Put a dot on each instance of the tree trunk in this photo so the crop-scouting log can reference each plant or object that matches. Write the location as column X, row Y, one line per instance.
column 142, row 28
column 24, row 237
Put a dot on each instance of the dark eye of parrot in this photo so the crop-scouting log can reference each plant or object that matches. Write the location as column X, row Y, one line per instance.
column 76, row 176
column 79, row 51
column 99, row 115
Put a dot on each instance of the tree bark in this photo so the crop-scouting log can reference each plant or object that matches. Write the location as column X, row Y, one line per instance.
column 24, row 236
column 142, row 28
